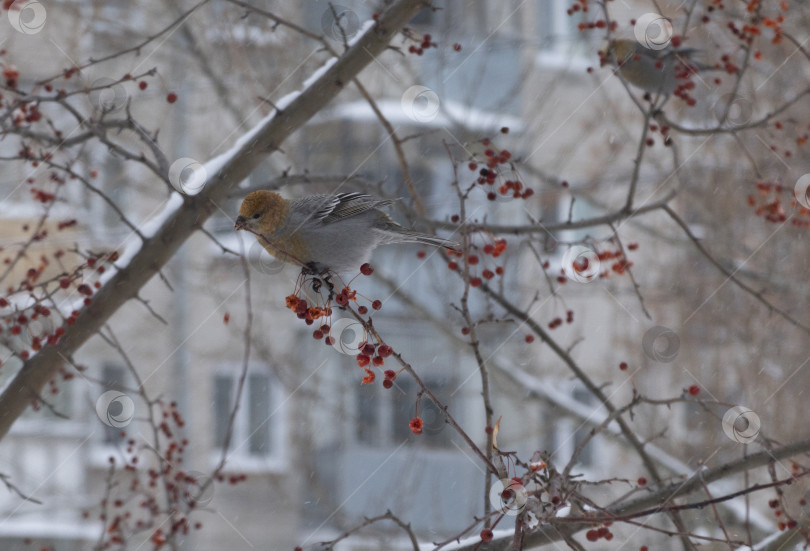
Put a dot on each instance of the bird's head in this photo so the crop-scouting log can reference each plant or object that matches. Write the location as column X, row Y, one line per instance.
column 618, row 51
column 262, row 212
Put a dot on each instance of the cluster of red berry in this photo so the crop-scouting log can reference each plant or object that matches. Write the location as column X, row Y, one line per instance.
column 770, row 200
column 496, row 165
column 425, row 44
column 494, row 250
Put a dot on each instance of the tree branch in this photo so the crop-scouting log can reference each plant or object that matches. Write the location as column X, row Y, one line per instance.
column 157, row 250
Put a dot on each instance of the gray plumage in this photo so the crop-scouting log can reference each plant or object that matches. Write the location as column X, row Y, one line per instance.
column 341, row 231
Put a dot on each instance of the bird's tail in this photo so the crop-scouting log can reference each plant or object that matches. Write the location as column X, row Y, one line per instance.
column 408, row 236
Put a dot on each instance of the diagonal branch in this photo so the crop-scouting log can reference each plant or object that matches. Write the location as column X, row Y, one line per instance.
column 157, row 250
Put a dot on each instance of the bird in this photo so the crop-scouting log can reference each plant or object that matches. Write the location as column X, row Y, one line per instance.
column 325, row 233
column 654, row 71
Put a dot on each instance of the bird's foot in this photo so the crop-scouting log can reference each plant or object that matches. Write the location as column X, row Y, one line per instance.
column 319, row 278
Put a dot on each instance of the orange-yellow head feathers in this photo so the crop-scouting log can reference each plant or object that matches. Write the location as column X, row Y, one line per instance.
column 262, row 212
column 619, row 51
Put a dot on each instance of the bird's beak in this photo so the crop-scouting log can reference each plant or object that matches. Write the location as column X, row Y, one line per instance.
column 240, row 224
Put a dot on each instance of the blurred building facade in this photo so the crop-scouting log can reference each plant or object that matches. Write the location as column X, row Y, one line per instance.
column 319, row 449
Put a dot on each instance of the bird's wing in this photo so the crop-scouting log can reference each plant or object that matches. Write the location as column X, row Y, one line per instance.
column 327, row 209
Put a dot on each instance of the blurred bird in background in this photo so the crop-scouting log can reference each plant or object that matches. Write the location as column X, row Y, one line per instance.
column 323, row 232
column 655, row 71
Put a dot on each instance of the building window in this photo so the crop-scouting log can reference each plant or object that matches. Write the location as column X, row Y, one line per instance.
column 436, row 432
column 257, row 429
column 558, row 32
column 571, row 432
column 387, row 421
column 368, row 415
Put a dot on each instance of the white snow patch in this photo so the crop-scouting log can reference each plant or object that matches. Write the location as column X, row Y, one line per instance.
column 472, row 540
column 450, row 114
column 132, row 244
column 287, row 100
column 48, row 527
column 319, row 72
column 367, row 24
column 172, row 205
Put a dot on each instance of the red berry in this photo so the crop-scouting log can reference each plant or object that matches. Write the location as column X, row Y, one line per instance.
column 457, row 47
column 387, row 383
column 642, row 481
column 421, row 254
column 362, row 310
column 529, row 338
column 390, row 374
column 694, row 390
column 317, row 334
column 623, row 366
column 64, row 283
column 171, row 98
column 486, row 535
column 142, row 85
column 366, row 269
column 475, row 281
column 452, row 265
column 376, row 304
column 592, row 535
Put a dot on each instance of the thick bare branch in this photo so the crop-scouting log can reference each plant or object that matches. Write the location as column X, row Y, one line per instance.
column 157, row 250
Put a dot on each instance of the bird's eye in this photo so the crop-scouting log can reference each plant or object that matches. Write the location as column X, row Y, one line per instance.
column 256, row 216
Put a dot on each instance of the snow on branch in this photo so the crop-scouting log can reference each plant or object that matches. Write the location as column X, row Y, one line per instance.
column 225, row 173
